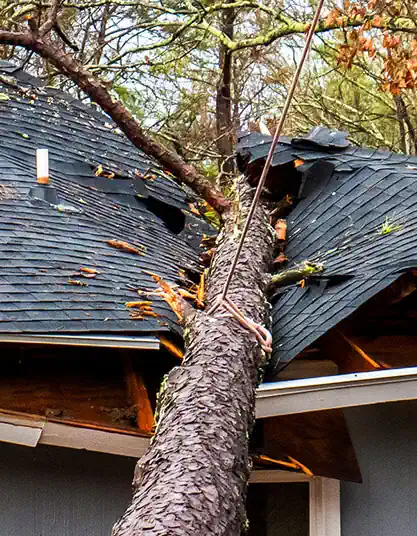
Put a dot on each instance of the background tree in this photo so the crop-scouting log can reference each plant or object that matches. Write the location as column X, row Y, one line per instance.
column 192, row 72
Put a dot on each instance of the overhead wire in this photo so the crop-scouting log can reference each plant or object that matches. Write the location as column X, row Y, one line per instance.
column 255, row 201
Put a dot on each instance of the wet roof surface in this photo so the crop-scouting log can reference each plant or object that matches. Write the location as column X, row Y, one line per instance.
column 347, row 194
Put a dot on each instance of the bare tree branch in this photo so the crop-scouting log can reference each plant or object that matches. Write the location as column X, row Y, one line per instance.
column 97, row 91
column 52, row 19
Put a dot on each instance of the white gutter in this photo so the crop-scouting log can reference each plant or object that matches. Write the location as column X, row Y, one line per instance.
column 343, row 391
column 103, row 341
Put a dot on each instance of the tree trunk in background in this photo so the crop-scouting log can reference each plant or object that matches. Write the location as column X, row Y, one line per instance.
column 101, row 39
column 193, row 479
column 224, row 121
column 400, row 117
column 404, row 120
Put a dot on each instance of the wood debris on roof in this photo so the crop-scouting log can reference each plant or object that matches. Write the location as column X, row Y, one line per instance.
column 43, row 285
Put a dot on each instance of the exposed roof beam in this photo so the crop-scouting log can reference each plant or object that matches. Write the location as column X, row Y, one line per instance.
column 103, row 341
column 346, row 390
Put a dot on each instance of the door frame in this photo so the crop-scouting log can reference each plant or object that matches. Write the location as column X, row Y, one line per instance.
column 324, row 493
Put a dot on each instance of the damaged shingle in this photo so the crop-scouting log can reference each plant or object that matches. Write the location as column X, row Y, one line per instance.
column 347, row 195
column 44, row 246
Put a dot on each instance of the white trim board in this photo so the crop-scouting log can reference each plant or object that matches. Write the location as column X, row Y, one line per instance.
column 343, row 391
column 32, row 432
column 20, row 435
column 325, row 517
column 324, row 498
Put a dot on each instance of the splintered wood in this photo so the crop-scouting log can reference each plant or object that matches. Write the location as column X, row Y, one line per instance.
column 171, row 294
column 125, row 246
column 281, row 230
column 140, row 309
column 171, row 347
column 292, row 464
column 168, row 293
column 139, row 397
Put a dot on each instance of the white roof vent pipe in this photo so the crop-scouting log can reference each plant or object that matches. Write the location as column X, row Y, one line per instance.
column 43, row 190
column 42, row 166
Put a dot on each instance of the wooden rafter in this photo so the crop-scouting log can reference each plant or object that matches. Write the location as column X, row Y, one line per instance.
column 139, row 397
column 348, row 355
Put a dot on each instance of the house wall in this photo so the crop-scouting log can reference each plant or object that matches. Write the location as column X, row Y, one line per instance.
column 385, row 439
column 51, row 491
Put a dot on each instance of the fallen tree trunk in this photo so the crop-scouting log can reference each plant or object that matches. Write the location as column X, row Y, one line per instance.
column 193, row 479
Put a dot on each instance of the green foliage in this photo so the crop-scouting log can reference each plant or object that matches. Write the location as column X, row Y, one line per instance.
column 389, row 226
column 165, row 60
column 213, row 218
column 130, row 99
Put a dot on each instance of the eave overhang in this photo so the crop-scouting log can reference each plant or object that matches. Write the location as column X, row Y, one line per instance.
column 343, row 391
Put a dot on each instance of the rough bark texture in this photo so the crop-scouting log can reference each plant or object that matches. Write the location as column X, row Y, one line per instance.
column 404, row 119
column 193, row 479
column 122, row 117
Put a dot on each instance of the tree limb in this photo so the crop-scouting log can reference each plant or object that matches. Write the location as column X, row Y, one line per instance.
column 52, row 19
column 97, row 91
column 294, row 275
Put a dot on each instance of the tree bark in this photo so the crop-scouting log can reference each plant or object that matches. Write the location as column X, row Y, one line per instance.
column 403, row 117
column 400, row 117
column 224, row 119
column 193, row 479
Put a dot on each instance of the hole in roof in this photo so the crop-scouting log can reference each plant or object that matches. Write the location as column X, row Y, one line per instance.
column 173, row 217
column 281, row 180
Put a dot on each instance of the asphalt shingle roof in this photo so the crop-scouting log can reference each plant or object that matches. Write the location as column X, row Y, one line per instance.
column 347, row 193
column 42, row 246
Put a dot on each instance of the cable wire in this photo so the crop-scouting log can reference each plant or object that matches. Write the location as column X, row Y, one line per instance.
column 274, row 143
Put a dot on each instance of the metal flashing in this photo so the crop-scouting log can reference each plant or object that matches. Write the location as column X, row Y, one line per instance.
column 103, row 341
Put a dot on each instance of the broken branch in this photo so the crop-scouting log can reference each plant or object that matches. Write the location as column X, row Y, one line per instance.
column 294, row 275
column 98, row 92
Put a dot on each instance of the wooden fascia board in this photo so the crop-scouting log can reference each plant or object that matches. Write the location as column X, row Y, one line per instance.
column 343, row 391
